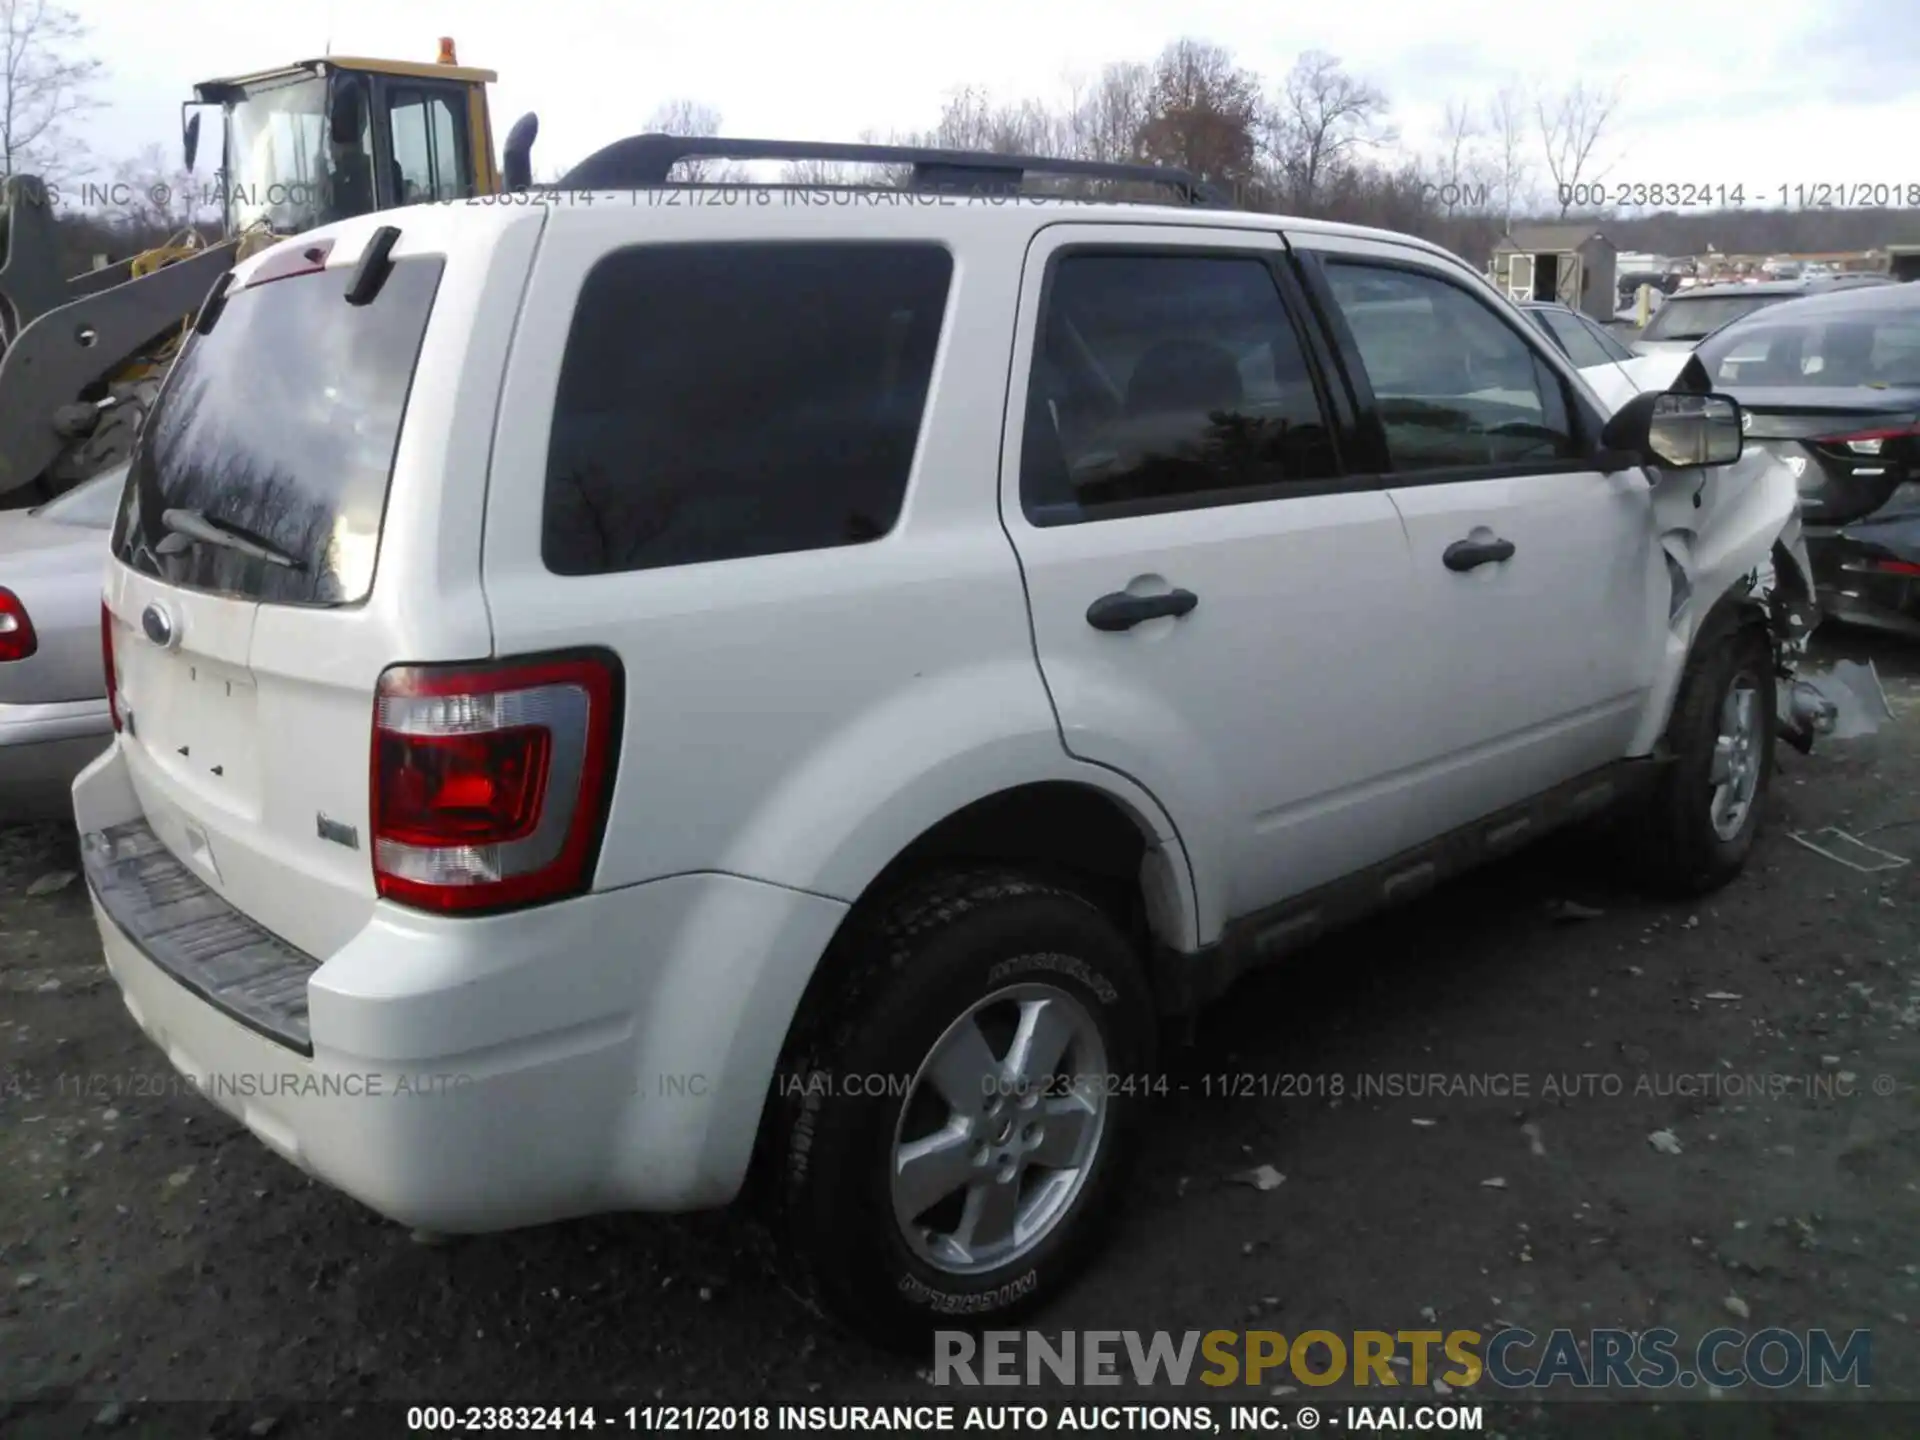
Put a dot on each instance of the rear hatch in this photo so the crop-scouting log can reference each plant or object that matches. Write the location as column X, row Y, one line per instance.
column 304, row 510
column 1850, row 448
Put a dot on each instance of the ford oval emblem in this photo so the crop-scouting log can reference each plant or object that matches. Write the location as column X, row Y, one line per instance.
column 159, row 626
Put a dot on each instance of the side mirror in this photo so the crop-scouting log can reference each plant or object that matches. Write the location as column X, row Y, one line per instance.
column 1676, row 431
column 190, row 141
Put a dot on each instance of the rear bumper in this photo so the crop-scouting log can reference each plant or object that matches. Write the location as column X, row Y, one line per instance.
column 607, row 1053
column 1852, row 590
column 42, row 749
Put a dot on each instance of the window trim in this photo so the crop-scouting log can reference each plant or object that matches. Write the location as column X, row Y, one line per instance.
column 1336, row 410
column 401, row 90
column 1580, row 323
column 1604, row 338
column 1582, row 415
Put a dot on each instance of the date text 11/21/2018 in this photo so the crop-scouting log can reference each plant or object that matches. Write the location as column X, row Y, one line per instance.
column 1673, row 195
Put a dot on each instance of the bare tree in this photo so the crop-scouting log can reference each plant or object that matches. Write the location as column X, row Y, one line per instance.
column 1571, row 126
column 684, row 117
column 1462, row 167
column 1513, row 170
column 155, row 199
column 1107, row 120
column 43, row 85
column 1204, row 113
column 971, row 120
column 821, row 173
column 1321, row 118
column 693, row 118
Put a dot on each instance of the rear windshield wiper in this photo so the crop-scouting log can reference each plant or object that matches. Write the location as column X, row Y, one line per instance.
column 187, row 527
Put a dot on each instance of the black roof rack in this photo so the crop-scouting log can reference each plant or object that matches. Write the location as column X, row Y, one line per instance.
column 644, row 161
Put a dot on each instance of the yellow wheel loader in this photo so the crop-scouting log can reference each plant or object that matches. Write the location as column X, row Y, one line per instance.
column 306, row 144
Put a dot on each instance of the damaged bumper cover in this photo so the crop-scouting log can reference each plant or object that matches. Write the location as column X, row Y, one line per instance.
column 1868, row 571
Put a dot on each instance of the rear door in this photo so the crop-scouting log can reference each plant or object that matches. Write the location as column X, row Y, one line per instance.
column 1540, row 589
column 303, row 509
column 1219, row 611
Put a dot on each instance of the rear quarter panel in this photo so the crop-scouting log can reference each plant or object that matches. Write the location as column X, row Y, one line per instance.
column 800, row 718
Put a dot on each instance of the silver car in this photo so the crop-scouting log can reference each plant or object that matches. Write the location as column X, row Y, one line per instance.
column 53, row 701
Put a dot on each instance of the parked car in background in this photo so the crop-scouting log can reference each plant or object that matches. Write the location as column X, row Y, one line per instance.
column 1831, row 384
column 53, row 705
column 1690, row 316
column 1605, row 362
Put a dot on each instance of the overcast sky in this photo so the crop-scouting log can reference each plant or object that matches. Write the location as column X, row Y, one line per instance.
column 1759, row 93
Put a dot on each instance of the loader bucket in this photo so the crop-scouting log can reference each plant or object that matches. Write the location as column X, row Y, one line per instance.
column 66, row 343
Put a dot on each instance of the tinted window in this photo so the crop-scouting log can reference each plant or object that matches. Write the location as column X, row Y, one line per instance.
column 1684, row 319
column 1161, row 375
column 1837, row 350
column 279, row 425
column 1573, row 338
column 719, row 401
column 1453, row 383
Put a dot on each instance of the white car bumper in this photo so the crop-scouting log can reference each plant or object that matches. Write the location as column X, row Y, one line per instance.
column 607, row 1053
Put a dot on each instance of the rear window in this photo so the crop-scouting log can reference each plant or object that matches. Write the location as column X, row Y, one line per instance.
column 721, row 401
column 276, row 430
column 1838, row 351
column 1683, row 319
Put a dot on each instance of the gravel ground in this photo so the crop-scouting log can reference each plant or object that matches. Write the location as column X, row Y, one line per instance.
column 151, row 1250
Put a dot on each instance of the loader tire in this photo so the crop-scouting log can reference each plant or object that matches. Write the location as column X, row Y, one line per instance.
column 111, row 441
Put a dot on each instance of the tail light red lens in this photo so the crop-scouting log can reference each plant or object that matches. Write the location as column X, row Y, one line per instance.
column 485, row 788
column 490, row 783
column 1869, row 442
column 17, row 640
column 107, row 664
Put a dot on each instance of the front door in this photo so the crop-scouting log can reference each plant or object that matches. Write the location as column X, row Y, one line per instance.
column 1541, row 590
column 1220, row 610
column 428, row 147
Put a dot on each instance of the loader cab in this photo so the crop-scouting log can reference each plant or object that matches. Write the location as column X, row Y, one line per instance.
column 323, row 140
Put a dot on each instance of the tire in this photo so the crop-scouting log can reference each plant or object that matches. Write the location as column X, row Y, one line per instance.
column 917, row 971
column 111, row 441
column 1690, row 841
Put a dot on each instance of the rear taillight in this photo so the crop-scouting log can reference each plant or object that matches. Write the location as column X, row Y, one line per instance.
column 107, row 664
column 491, row 782
column 17, row 640
column 1868, row 442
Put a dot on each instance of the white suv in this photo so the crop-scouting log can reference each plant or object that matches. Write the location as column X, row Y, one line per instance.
column 626, row 692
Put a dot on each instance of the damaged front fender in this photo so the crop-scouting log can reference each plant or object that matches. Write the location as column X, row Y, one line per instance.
column 1732, row 539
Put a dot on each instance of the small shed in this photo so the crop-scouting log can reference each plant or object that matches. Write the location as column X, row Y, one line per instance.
column 1573, row 264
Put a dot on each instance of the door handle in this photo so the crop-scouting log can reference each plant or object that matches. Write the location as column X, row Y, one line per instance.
column 1121, row 611
column 1469, row 554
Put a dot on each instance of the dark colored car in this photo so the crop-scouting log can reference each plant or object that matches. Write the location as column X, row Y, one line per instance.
column 1831, row 384
column 1687, row 318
